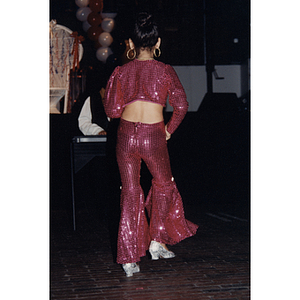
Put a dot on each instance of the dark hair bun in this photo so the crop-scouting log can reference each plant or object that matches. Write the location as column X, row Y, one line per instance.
column 145, row 33
column 145, row 20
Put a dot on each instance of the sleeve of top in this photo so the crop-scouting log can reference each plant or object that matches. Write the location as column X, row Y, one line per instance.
column 85, row 120
column 177, row 99
column 113, row 98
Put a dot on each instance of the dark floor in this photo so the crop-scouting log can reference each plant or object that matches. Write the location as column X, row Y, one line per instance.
column 210, row 162
column 214, row 264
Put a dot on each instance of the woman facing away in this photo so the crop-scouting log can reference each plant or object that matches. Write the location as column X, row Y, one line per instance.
column 137, row 92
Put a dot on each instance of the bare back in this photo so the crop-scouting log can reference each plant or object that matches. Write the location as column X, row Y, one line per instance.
column 144, row 112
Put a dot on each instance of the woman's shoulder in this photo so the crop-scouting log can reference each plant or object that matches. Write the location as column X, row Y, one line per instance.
column 127, row 66
column 150, row 64
column 161, row 67
column 161, row 64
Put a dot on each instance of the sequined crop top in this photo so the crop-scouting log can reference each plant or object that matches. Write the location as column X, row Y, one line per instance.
column 148, row 80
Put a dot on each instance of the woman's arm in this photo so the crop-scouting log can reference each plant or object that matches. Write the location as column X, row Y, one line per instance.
column 85, row 121
column 113, row 98
column 177, row 99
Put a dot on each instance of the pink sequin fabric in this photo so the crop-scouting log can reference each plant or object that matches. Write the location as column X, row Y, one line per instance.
column 136, row 142
column 148, row 80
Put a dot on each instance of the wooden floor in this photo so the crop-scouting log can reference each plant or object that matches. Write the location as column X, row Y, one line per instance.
column 214, row 264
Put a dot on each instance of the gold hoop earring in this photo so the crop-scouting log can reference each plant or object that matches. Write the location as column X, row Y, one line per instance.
column 133, row 56
column 159, row 52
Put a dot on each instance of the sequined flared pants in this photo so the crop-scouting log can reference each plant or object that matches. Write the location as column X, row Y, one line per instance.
column 147, row 142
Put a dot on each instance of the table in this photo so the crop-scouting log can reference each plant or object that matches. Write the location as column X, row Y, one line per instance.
column 83, row 150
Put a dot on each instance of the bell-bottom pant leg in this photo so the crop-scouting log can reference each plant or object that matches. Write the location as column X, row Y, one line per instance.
column 164, row 203
column 133, row 235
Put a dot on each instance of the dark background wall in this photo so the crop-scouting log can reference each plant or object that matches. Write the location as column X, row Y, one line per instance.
column 182, row 26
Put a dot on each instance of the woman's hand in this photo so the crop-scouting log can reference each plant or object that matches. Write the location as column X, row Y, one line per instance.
column 168, row 135
column 102, row 92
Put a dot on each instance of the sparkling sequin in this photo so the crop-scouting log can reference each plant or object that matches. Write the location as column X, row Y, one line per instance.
column 137, row 142
column 149, row 80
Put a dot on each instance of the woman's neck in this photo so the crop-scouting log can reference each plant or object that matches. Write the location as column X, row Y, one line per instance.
column 145, row 55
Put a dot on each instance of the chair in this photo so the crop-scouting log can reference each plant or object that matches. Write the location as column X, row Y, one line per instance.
column 60, row 63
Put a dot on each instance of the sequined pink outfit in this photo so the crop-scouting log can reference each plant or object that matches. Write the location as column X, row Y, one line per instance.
column 148, row 80
column 137, row 142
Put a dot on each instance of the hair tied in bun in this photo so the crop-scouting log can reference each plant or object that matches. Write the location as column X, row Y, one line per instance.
column 145, row 32
column 145, row 20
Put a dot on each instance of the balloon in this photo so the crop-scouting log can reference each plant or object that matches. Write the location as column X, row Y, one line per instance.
column 94, row 32
column 96, row 5
column 94, row 18
column 82, row 13
column 86, row 25
column 82, row 3
column 108, row 24
column 105, row 39
column 108, row 15
column 103, row 53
